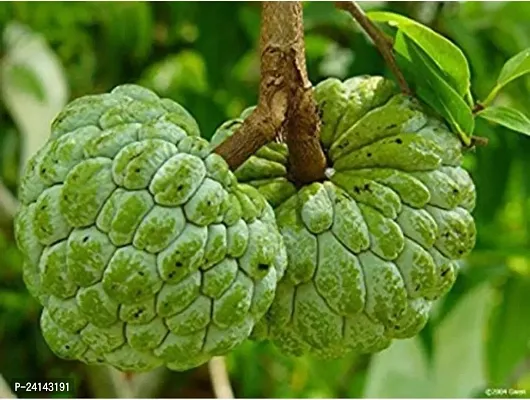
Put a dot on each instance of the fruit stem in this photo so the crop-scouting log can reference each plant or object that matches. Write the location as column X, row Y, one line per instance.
column 381, row 41
column 220, row 379
column 285, row 103
column 5, row 389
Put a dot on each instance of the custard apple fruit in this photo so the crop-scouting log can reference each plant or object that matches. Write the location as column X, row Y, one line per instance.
column 377, row 241
column 139, row 243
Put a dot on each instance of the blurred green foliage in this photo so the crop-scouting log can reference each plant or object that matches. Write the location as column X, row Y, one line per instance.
column 205, row 55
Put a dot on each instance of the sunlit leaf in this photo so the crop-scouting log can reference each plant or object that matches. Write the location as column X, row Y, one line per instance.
column 177, row 74
column 447, row 56
column 400, row 371
column 459, row 359
column 508, row 117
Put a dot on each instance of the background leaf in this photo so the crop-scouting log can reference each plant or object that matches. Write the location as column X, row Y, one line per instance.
column 32, row 110
column 509, row 340
column 400, row 371
column 447, row 56
column 103, row 44
column 459, row 359
column 508, row 117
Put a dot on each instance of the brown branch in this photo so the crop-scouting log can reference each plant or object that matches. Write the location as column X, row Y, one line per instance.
column 285, row 99
column 265, row 123
column 306, row 157
column 378, row 37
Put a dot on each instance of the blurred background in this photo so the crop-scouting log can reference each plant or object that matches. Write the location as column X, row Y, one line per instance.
column 204, row 55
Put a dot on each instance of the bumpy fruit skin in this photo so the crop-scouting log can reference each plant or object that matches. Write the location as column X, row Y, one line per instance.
column 140, row 244
column 371, row 247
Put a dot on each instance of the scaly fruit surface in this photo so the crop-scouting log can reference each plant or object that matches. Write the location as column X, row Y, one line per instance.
column 373, row 245
column 139, row 243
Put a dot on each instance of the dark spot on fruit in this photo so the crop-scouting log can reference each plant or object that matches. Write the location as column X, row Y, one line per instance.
column 85, row 239
column 460, row 252
column 367, row 187
column 418, row 286
column 100, row 360
column 391, row 126
column 178, row 264
column 171, row 275
column 78, row 331
column 396, row 327
column 209, row 203
column 67, row 347
column 455, row 191
column 65, row 197
column 444, row 272
column 263, row 267
column 356, row 189
column 369, row 155
column 180, row 187
column 399, row 141
column 138, row 313
column 43, row 207
column 43, row 171
column 139, row 292
column 141, row 273
column 137, row 170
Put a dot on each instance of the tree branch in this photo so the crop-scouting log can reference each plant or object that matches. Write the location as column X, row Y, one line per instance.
column 306, row 157
column 220, row 379
column 265, row 123
column 383, row 44
column 285, row 98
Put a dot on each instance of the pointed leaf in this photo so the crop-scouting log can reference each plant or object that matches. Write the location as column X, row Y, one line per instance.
column 458, row 366
column 515, row 67
column 446, row 55
column 400, row 371
column 506, row 116
column 431, row 87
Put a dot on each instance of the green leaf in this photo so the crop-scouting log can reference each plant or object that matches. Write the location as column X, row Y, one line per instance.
column 458, row 365
column 510, row 331
column 400, row 371
column 447, row 56
column 514, row 68
column 506, row 116
column 432, row 88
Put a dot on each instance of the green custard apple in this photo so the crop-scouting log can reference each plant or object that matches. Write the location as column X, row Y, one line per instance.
column 138, row 241
column 374, row 244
